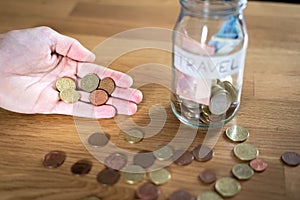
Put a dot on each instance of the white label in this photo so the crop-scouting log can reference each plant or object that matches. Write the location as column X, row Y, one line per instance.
column 216, row 67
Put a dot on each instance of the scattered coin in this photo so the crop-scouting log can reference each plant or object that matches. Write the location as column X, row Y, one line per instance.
column 181, row 195
column 92, row 198
column 134, row 136
column 160, row 176
column 54, row 159
column 89, row 82
column 209, row 195
column 163, row 153
column 107, row 84
column 245, row 152
column 98, row 139
column 182, row 157
column 99, row 97
column 69, row 96
column 227, row 187
column 237, row 133
column 115, row 161
column 258, row 165
column 203, row 153
column 65, row 83
column 81, row 167
column 133, row 174
column 108, row 176
column 291, row 158
column 207, row 176
column 242, row 171
column 148, row 191
column 144, row 159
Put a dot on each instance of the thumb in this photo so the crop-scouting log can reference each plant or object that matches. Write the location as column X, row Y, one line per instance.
column 71, row 48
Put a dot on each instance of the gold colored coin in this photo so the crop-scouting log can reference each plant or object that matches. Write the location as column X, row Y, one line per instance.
column 133, row 174
column 237, row 133
column 89, row 82
column 160, row 176
column 134, row 136
column 242, row 171
column 245, row 152
column 209, row 195
column 69, row 96
column 163, row 153
column 227, row 187
column 65, row 83
column 232, row 90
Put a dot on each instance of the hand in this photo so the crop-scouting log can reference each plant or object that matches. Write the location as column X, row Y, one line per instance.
column 32, row 60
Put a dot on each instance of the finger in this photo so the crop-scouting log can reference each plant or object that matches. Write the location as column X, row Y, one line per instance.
column 81, row 109
column 129, row 94
column 123, row 107
column 121, row 79
column 71, row 48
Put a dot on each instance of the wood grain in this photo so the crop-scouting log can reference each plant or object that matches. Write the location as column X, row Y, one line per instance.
column 270, row 107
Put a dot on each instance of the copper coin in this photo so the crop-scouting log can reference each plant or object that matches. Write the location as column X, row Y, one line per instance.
column 107, row 84
column 115, row 161
column 144, row 159
column 108, row 177
column 291, row 158
column 258, row 165
column 181, row 195
column 98, row 139
column 208, row 176
column 81, row 167
column 99, row 97
column 54, row 159
column 182, row 157
column 203, row 153
column 148, row 191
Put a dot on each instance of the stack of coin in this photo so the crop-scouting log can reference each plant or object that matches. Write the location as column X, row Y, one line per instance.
column 66, row 87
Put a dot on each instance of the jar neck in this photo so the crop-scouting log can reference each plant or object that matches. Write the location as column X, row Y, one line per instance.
column 211, row 8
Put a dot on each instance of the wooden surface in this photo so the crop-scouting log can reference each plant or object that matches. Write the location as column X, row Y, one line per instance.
column 270, row 107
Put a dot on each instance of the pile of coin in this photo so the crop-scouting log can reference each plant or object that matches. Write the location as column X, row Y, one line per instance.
column 222, row 105
column 100, row 90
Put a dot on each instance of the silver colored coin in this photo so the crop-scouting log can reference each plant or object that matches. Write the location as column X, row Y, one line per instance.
column 219, row 102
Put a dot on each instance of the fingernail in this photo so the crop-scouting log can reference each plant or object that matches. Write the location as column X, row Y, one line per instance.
column 137, row 96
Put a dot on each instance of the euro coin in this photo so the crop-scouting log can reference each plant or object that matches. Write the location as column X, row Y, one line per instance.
column 69, row 96
column 163, row 153
column 232, row 90
column 219, row 102
column 89, row 82
column 81, row 167
column 245, row 151
column 209, row 195
column 291, row 158
column 208, row 176
column 98, row 97
column 98, row 139
column 160, row 176
column 237, row 133
column 108, row 177
column 181, row 195
column 242, row 171
column 182, row 157
column 107, row 84
column 227, row 187
column 203, row 153
column 115, row 161
column 65, row 83
column 133, row 174
column 258, row 165
column 54, row 159
column 134, row 136
column 148, row 191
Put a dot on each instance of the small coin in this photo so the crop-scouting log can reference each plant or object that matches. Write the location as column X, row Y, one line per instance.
column 258, row 165
column 231, row 110
column 98, row 97
column 81, row 167
column 54, row 159
column 245, row 151
column 98, row 139
column 203, row 153
column 207, row 176
column 232, row 90
column 134, row 136
column 107, row 84
column 209, row 195
column 291, row 158
column 69, row 96
column 144, row 159
column 190, row 104
column 89, row 82
column 227, row 187
column 92, row 198
column 133, row 174
column 160, row 176
column 148, row 191
column 242, row 171
column 163, row 153
column 108, row 176
column 182, row 157
column 181, row 195
column 219, row 102
column 116, row 161
column 65, row 83
column 237, row 133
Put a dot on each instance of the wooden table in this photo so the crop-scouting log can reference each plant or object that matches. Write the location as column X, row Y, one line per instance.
column 270, row 105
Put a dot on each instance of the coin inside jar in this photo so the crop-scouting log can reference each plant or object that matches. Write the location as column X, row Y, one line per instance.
column 89, row 82
column 65, row 83
column 182, row 157
column 54, row 159
column 107, row 84
column 99, row 97
column 219, row 102
column 227, row 187
column 148, row 191
column 115, row 161
column 81, row 167
column 69, row 96
column 108, row 176
column 203, row 153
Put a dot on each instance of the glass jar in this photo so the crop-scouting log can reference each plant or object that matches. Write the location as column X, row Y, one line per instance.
column 209, row 48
